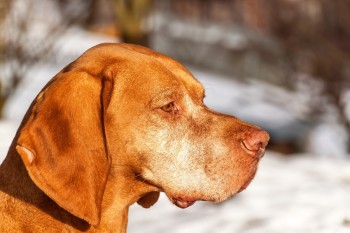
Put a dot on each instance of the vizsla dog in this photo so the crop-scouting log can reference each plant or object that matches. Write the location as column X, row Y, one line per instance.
column 115, row 127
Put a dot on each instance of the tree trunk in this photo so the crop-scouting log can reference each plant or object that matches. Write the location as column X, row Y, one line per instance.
column 347, row 128
column 2, row 105
column 130, row 15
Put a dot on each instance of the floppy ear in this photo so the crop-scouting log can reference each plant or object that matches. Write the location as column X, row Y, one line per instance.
column 63, row 146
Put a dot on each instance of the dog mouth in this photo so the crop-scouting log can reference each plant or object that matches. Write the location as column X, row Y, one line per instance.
column 182, row 202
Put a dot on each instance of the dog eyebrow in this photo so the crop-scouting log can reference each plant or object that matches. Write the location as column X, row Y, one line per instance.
column 163, row 96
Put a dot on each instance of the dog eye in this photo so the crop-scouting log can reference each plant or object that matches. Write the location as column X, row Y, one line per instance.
column 170, row 108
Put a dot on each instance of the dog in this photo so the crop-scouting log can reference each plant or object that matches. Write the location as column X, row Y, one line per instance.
column 117, row 126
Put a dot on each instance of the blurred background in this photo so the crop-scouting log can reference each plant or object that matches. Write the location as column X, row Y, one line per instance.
column 281, row 64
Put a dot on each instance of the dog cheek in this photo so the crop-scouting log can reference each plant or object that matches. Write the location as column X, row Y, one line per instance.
column 154, row 147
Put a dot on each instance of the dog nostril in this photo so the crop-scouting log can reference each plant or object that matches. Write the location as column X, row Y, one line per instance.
column 256, row 140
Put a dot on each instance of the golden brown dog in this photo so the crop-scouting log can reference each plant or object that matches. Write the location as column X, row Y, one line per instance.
column 115, row 127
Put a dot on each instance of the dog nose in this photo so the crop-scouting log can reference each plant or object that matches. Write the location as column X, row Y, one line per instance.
column 255, row 141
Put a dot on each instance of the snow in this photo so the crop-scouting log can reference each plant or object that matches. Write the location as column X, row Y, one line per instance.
column 7, row 132
column 327, row 133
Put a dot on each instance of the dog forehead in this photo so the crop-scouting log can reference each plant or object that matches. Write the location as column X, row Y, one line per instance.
column 138, row 68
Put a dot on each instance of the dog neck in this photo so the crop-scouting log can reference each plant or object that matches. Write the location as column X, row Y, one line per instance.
column 122, row 190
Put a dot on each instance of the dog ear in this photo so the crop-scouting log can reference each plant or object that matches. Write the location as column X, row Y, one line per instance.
column 148, row 200
column 63, row 145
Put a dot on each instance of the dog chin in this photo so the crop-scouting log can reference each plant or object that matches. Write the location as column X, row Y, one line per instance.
column 183, row 202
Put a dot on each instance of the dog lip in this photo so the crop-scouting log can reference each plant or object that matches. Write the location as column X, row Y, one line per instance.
column 183, row 202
